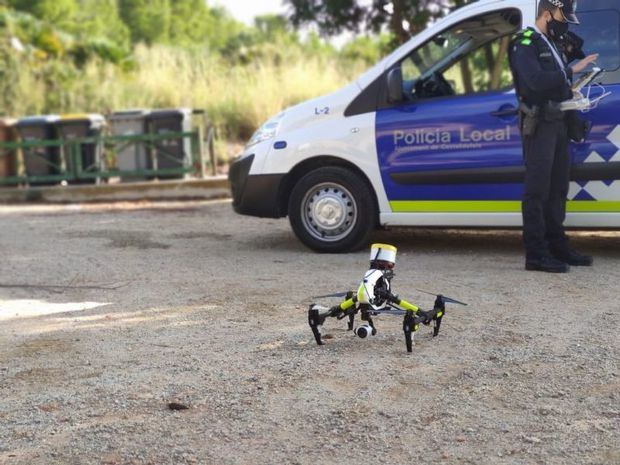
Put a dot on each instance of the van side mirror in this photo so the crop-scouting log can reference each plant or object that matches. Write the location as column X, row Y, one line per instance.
column 395, row 85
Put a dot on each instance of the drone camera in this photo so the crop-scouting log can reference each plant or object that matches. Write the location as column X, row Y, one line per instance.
column 364, row 331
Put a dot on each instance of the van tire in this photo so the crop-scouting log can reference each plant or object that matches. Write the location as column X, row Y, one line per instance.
column 332, row 209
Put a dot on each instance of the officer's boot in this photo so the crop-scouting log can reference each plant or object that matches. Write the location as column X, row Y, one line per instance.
column 571, row 256
column 546, row 263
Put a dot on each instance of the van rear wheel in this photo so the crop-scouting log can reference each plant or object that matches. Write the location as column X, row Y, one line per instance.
column 332, row 209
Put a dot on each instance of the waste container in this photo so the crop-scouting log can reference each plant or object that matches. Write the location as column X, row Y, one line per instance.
column 8, row 157
column 40, row 161
column 78, row 126
column 171, row 153
column 131, row 156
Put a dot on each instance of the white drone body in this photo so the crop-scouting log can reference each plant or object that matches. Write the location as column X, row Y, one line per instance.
column 366, row 290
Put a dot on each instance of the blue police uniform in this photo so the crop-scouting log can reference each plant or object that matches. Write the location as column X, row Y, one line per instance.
column 541, row 82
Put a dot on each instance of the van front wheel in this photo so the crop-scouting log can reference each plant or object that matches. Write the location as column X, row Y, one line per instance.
column 332, row 209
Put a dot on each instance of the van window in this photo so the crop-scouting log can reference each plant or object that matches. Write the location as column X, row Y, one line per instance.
column 469, row 57
column 428, row 55
column 482, row 70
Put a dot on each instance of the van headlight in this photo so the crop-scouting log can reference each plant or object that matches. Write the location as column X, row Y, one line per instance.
column 267, row 131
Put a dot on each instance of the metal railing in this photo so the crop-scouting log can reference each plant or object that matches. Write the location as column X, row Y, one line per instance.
column 94, row 159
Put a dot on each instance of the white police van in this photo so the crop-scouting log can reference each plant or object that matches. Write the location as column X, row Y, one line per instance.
column 429, row 137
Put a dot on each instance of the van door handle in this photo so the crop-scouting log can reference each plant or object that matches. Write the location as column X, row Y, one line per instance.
column 510, row 111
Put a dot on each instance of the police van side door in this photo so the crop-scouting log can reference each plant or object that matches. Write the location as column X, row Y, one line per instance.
column 596, row 163
column 455, row 151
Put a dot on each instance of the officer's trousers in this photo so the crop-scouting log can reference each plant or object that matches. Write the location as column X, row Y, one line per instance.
column 547, row 176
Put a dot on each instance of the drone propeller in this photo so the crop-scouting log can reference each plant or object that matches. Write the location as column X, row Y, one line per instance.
column 389, row 311
column 452, row 301
column 443, row 297
column 337, row 294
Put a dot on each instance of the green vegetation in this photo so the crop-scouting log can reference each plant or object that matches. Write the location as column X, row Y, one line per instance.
column 403, row 18
column 66, row 56
column 62, row 56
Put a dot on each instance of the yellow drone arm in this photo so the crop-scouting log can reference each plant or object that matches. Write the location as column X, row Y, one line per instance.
column 347, row 304
column 407, row 306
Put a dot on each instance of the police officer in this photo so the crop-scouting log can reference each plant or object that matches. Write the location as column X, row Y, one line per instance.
column 542, row 80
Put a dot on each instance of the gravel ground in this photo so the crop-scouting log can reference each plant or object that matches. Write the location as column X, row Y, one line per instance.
column 111, row 312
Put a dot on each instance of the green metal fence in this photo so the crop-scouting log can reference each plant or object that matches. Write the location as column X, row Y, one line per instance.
column 64, row 158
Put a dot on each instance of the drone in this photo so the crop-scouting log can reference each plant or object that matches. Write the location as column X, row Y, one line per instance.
column 374, row 297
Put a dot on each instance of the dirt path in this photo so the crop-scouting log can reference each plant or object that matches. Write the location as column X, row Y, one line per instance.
column 110, row 312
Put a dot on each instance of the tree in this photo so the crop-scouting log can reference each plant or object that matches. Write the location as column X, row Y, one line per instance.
column 100, row 19
column 189, row 22
column 222, row 29
column 366, row 48
column 178, row 22
column 275, row 29
column 403, row 18
column 148, row 20
column 60, row 13
column 271, row 26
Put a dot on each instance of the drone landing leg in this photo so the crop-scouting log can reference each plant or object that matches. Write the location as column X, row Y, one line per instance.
column 437, row 325
column 409, row 328
column 314, row 320
column 440, row 309
column 351, row 321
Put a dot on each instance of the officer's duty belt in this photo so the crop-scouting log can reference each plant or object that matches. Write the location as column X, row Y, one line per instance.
column 530, row 116
column 549, row 111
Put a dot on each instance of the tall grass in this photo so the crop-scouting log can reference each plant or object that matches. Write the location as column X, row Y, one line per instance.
column 238, row 98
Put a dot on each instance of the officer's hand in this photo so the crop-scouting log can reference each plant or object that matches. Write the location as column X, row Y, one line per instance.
column 582, row 64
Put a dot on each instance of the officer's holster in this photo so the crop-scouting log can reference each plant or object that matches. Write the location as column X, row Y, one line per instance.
column 528, row 118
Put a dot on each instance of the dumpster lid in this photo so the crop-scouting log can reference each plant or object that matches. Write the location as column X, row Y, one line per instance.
column 75, row 117
column 131, row 112
column 96, row 120
column 128, row 114
column 167, row 112
column 37, row 120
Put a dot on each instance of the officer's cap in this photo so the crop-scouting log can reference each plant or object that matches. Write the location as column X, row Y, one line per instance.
column 568, row 8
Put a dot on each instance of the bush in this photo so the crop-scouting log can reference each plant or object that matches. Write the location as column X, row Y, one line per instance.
column 247, row 76
column 238, row 97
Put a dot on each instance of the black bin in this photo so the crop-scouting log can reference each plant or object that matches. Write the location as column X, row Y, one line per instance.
column 78, row 126
column 171, row 153
column 40, row 161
